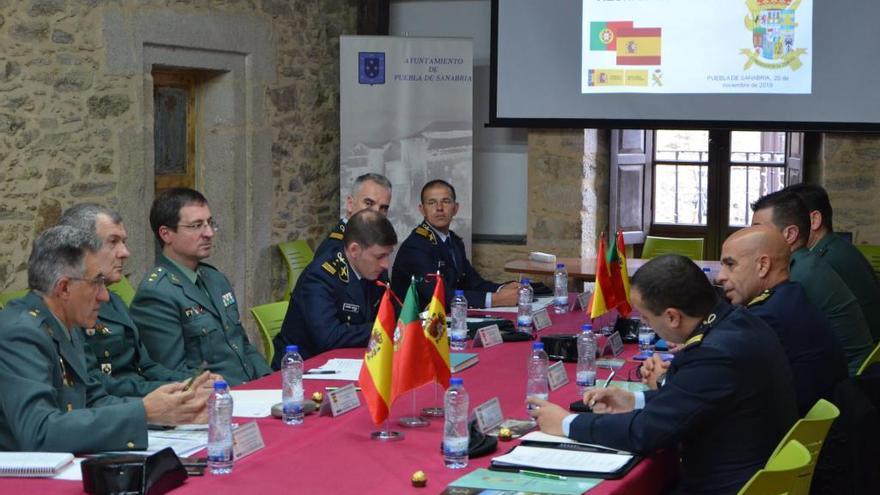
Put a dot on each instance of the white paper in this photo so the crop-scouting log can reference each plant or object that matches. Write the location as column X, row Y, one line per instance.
column 567, row 460
column 346, row 369
column 539, row 304
column 540, row 436
column 254, row 403
column 72, row 472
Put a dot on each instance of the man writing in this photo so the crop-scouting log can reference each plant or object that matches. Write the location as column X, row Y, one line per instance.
column 335, row 299
column 48, row 400
column 729, row 385
column 432, row 246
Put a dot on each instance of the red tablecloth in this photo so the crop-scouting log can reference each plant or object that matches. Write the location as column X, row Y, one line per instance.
column 336, row 455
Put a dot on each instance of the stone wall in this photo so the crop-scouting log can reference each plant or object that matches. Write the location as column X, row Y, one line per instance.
column 849, row 168
column 67, row 122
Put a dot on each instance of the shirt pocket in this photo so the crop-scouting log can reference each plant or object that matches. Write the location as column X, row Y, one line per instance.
column 201, row 337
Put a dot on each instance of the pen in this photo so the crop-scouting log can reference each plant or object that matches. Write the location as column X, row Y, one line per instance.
column 196, row 373
column 321, row 372
column 608, row 381
column 330, row 389
column 548, row 476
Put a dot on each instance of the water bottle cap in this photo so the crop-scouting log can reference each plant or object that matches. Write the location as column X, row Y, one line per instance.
column 587, row 327
column 537, row 346
column 456, row 381
column 560, row 265
column 291, row 348
column 220, row 385
column 524, row 281
column 459, row 292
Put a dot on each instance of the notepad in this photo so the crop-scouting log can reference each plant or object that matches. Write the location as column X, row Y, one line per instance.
column 562, row 460
column 33, row 464
column 462, row 360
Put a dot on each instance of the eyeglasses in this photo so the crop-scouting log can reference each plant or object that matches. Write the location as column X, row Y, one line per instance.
column 433, row 203
column 200, row 226
column 98, row 282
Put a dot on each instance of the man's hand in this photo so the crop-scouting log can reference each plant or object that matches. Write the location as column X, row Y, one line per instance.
column 506, row 295
column 548, row 415
column 171, row 405
column 609, row 400
column 652, row 369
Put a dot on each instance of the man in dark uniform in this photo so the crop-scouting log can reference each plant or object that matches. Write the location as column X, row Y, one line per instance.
column 335, row 300
column 369, row 192
column 48, row 400
column 185, row 308
column 432, row 246
column 115, row 354
column 728, row 397
column 843, row 257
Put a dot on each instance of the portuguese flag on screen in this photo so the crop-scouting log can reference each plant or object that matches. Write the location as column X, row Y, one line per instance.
column 375, row 376
column 603, row 34
column 413, row 366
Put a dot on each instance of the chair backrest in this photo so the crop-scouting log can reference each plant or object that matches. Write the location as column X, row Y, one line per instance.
column 872, row 358
column 655, row 246
column 872, row 253
column 297, row 255
column 811, row 431
column 269, row 318
column 5, row 297
column 780, row 475
column 123, row 289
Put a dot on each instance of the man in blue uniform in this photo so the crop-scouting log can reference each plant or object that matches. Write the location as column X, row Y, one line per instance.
column 728, row 397
column 369, row 192
column 788, row 214
column 432, row 246
column 115, row 354
column 754, row 272
column 185, row 308
column 48, row 400
column 335, row 299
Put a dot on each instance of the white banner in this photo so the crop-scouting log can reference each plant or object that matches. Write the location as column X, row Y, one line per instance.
column 406, row 111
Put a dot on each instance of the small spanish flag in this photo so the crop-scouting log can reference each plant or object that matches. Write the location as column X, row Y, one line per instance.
column 638, row 46
column 375, row 375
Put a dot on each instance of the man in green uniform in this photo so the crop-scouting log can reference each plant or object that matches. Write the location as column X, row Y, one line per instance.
column 115, row 353
column 843, row 257
column 185, row 308
column 786, row 212
column 48, row 400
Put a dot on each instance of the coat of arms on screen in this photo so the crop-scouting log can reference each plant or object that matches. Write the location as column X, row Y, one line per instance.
column 371, row 67
column 773, row 27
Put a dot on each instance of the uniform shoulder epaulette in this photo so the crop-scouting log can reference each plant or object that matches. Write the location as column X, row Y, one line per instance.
column 760, row 298
column 335, row 235
column 426, row 233
column 155, row 275
column 328, row 267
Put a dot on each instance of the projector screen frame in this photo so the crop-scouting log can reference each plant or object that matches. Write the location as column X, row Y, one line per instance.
column 593, row 123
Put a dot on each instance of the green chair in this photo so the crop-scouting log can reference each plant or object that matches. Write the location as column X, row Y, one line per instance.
column 690, row 247
column 872, row 253
column 810, row 431
column 780, row 475
column 269, row 318
column 871, row 359
column 5, row 297
column 297, row 255
column 123, row 289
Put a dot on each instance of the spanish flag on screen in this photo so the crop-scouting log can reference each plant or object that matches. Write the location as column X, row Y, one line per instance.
column 603, row 34
column 436, row 334
column 375, row 376
column 638, row 46
column 412, row 365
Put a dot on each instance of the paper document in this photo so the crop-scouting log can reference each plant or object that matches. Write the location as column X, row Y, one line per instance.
column 540, row 436
column 344, row 369
column 563, row 460
column 254, row 403
column 71, row 472
column 184, row 442
column 538, row 305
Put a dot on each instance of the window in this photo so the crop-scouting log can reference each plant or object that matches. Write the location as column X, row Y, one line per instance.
column 174, row 129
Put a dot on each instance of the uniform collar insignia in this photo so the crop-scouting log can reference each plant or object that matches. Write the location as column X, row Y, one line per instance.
column 341, row 267
column 427, row 232
column 760, row 298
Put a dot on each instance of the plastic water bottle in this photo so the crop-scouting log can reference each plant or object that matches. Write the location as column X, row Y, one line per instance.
column 220, row 429
column 585, row 374
column 456, row 436
column 292, row 386
column 458, row 333
column 560, row 289
column 524, row 307
column 537, row 385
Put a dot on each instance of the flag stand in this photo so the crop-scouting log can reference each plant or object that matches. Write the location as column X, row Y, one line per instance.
column 387, row 435
column 433, row 411
column 414, row 421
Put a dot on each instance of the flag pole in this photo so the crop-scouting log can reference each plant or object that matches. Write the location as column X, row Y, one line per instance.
column 435, row 411
column 414, row 421
column 387, row 435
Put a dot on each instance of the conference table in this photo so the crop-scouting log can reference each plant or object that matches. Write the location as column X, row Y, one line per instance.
column 336, row 455
column 584, row 269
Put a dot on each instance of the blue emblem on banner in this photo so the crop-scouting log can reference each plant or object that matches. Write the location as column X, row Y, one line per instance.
column 371, row 67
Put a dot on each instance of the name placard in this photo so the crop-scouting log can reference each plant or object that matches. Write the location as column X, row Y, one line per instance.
column 488, row 336
column 556, row 375
column 582, row 300
column 340, row 401
column 246, row 440
column 614, row 343
column 489, row 415
column 541, row 319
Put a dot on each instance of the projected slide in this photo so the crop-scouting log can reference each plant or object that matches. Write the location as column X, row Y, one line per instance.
column 705, row 46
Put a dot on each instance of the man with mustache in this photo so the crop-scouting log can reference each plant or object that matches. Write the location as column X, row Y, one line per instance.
column 184, row 307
